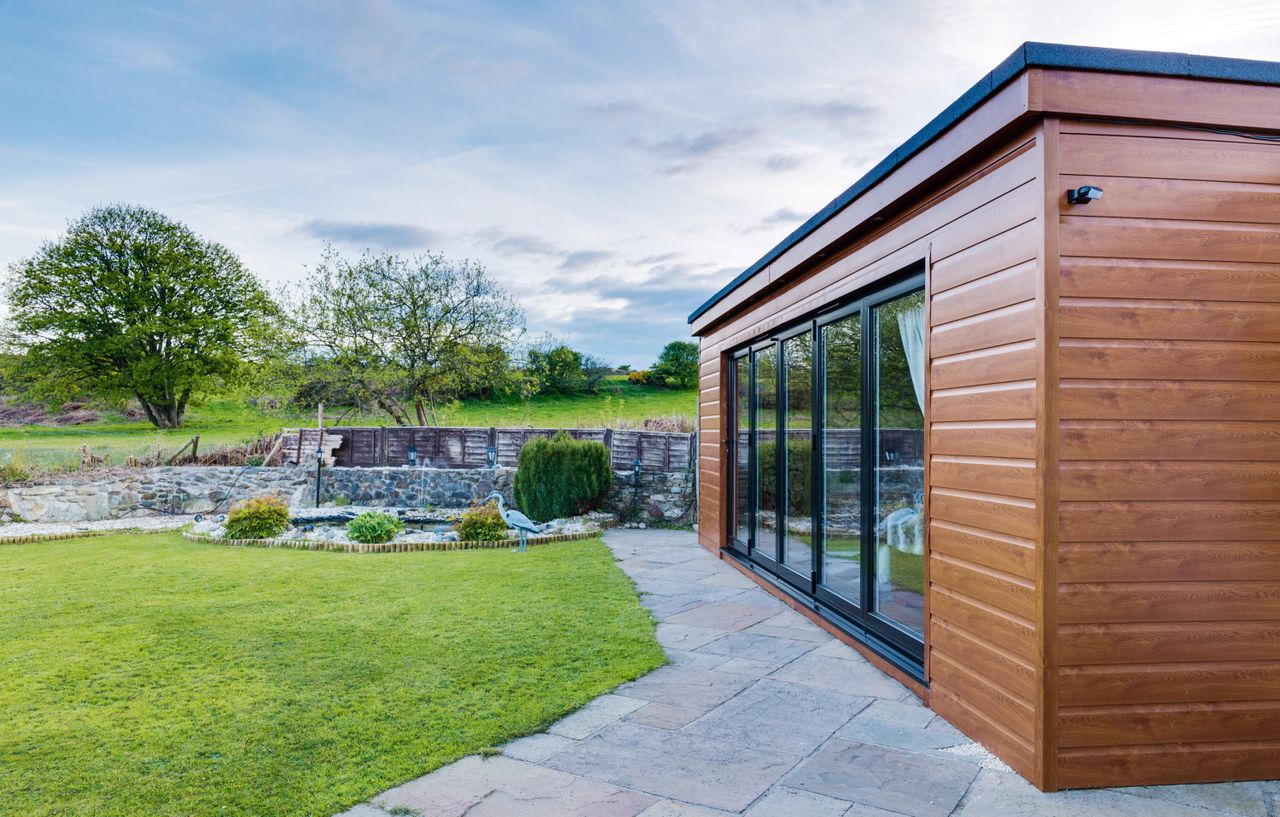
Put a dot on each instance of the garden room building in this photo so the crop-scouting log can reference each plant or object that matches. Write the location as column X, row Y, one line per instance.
column 1005, row 415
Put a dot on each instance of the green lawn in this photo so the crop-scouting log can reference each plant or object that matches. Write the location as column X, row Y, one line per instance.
column 233, row 420
column 143, row 674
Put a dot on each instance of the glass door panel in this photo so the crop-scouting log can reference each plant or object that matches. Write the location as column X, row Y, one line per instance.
column 765, row 519
column 797, row 453
column 741, row 447
column 898, row 470
column 841, row 458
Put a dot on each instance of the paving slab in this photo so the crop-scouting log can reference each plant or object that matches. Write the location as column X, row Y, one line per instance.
column 785, row 802
column 766, row 649
column 677, row 765
column 727, row 615
column 674, row 808
column 680, row 686
column 1248, row 799
column 868, row 729
column 886, row 778
column 595, row 716
column 664, row 716
column 1005, row 794
column 779, row 716
column 503, row 787
column 687, row 636
column 536, row 748
column 840, row 675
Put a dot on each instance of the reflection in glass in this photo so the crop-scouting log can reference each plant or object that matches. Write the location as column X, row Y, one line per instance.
column 797, row 357
column 898, row 346
column 841, row 457
column 742, row 449
column 766, row 402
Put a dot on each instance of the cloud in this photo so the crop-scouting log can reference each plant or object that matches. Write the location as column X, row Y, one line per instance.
column 584, row 258
column 681, row 154
column 615, row 108
column 371, row 234
column 784, row 215
column 779, row 162
column 834, row 113
column 507, row 242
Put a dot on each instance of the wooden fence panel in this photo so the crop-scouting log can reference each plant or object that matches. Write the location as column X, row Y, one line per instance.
column 463, row 447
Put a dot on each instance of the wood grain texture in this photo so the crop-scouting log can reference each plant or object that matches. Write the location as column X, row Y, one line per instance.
column 1160, row 724
column 1169, row 474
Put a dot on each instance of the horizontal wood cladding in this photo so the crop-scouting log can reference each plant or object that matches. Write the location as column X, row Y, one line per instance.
column 1158, row 279
column 1228, row 322
column 1102, row 480
column 1169, row 459
column 1116, row 602
column 993, row 401
column 1168, row 642
column 1008, row 477
column 1169, row 440
column 1168, row 561
column 1006, row 325
column 1169, row 360
column 1008, row 554
column 1239, row 162
column 1151, row 725
column 1197, row 682
column 1168, row 400
column 1180, row 521
column 1168, row 763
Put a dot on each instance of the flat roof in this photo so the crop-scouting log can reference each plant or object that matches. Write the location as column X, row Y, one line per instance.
column 1028, row 55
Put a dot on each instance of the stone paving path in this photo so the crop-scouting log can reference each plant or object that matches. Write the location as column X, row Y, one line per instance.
column 760, row 713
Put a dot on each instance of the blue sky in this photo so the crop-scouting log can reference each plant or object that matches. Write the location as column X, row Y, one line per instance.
column 611, row 163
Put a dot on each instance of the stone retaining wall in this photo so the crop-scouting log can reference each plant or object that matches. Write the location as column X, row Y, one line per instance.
column 663, row 496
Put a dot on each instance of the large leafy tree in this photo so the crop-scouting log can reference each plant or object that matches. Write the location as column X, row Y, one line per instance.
column 410, row 333
column 677, row 365
column 130, row 303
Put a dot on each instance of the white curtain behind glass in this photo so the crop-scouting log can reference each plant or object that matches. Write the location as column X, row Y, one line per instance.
column 911, row 327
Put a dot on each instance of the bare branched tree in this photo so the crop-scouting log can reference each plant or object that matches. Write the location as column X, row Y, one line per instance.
column 410, row 333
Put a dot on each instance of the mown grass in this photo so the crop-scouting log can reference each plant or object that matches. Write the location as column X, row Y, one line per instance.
column 143, row 674
column 232, row 420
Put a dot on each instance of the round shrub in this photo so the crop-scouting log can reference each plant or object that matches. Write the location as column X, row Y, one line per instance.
column 259, row 518
column 374, row 528
column 481, row 523
column 561, row 477
column 639, row 377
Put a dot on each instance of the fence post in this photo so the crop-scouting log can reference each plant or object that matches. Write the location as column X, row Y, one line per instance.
column 382, row 446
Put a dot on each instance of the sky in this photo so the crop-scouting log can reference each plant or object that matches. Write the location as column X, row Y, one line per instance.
column 612, row 164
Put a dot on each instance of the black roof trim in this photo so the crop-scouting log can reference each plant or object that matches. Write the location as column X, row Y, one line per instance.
column 1028, row 55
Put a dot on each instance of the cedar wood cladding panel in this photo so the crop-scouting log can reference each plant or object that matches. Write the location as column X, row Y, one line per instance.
column 1169, row 554
column 981, row 231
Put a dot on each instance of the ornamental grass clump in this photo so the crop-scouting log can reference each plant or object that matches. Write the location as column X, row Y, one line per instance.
column 481, row 523
column 259, row 518
column 374, row 528
column 561, row 477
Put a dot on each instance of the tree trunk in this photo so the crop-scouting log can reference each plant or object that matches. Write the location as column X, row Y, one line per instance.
column 420, row 410
column 160, row 416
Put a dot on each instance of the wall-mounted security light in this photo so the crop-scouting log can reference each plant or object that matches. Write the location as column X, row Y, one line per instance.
column 1083, row 195
column 413, row 455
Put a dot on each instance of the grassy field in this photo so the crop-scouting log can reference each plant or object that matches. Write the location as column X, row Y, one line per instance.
column 143, row 674
column 232, row 420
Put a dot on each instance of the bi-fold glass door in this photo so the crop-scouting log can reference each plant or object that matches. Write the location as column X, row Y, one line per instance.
column 828, row 461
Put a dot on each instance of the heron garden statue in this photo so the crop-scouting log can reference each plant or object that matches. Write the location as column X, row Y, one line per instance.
column 522, row 524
